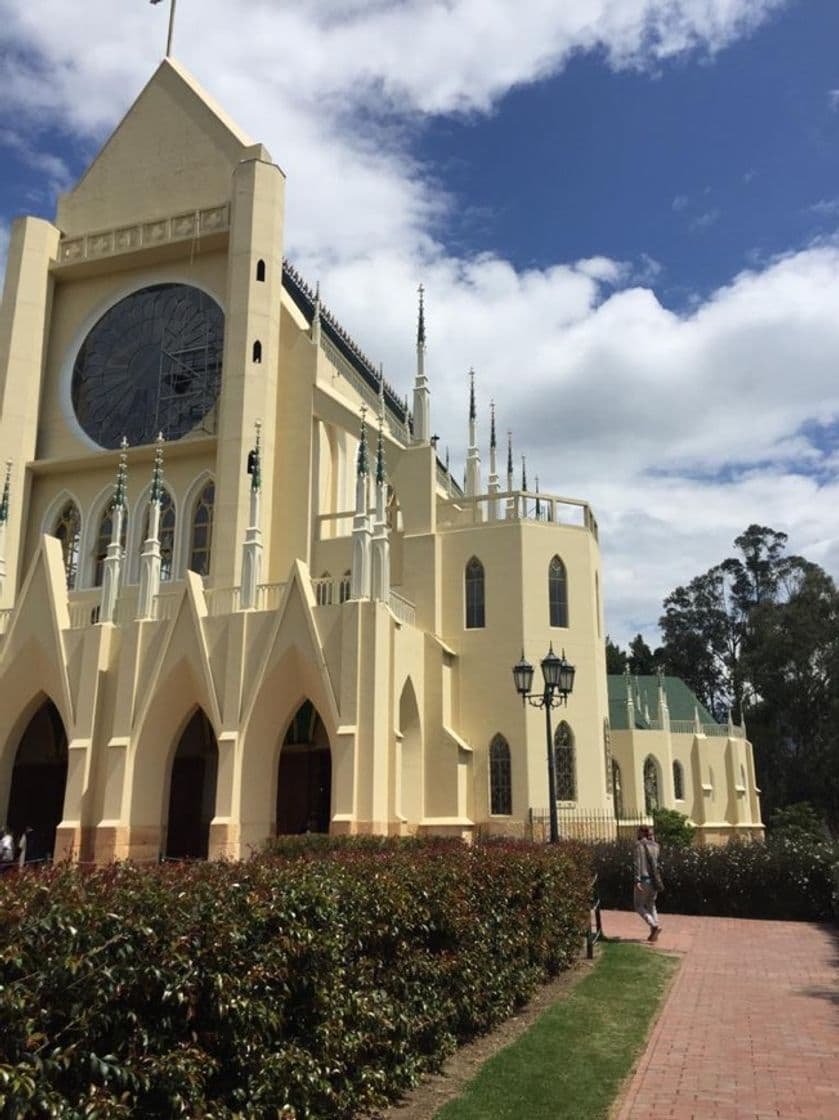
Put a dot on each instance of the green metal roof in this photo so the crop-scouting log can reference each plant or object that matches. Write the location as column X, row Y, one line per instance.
column 681, row 702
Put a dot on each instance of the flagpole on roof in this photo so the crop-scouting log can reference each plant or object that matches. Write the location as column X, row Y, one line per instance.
column 172, row 4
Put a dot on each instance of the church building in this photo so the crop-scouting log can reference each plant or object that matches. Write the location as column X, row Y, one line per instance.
column 240, row 593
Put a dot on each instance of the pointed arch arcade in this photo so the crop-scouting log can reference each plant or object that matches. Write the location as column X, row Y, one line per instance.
column 39, row 781
column 304, row 781
column 192, row 790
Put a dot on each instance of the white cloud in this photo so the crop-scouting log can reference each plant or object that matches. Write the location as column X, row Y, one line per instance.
column 705, row 220
column 825, row 207
column 613, row 397
column 833, row 99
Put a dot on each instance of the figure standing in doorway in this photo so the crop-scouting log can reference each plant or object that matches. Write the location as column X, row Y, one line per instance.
column 7, row 849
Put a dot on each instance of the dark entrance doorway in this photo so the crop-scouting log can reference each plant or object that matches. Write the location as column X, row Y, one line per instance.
column 39, row 779
column 304, row 787
column 192, row 791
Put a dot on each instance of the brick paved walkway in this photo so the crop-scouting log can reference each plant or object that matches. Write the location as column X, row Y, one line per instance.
column 750, row 1028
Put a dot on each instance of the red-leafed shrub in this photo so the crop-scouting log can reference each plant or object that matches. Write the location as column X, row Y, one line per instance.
column 327, row 978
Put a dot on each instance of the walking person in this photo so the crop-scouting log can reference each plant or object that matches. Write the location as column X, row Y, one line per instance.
column 648, row 880
column 7, row 850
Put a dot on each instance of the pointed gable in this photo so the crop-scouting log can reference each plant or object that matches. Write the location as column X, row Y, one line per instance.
column 174, row 150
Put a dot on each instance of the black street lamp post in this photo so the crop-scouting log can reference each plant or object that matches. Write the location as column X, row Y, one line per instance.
column 558, row 675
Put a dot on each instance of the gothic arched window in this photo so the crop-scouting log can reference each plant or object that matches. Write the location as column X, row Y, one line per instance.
column 618, row 789
column 201, row 541
column 565, row 762
column 165, row 534
column 678, row 781
column 500, row 777
column 558, row 593
column 475, row 606
column 652, row 799
column 344, row 587
column 68, row 529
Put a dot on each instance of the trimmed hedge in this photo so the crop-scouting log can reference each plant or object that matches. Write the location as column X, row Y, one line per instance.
column 779, row 880
column 328, row 983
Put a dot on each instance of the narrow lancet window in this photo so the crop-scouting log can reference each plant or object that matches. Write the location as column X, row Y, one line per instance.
column 68, row 529
column 475, row 605
column 201, row 542
column 500, row 777
column 558, row 593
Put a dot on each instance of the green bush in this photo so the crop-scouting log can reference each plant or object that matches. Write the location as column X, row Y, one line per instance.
column 672, row 829
column 797, row 823
column 328, row 982
column 787, row 881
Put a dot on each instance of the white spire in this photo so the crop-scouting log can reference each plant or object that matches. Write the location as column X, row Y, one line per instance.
column 422, row 395
column 494, row 486
column 113, row 557
column 473, row 455
column 150, row 555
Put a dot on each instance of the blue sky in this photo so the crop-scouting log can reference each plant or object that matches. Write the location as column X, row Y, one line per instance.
column 707, row 166
column 625, row 214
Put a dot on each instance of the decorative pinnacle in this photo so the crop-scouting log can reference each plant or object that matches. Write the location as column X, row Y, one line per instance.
column 447, row 461
column 4, row 501
column 538, row 503
column 421, row 320
column 472, row 413
column 156, row 493
column 255, row 464
column 524, row 472
column 381, row 393
column 362, row 466
column 122, row 476
column 492, row 442
column 380, row 454
column 509, row 453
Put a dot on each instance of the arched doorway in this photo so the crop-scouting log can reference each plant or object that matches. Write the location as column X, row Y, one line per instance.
column 39, row 779
column 192, row 791
column 304, row 784
column 410, row 750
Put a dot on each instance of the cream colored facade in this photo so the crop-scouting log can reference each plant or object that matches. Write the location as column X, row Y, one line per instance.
column 668, row 751
column 321, row 674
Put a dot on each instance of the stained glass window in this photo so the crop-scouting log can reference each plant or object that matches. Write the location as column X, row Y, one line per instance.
column 558, row 593
column 678, row 781
column 651, row 793
column 151, row 364
column 68, row 529
column 201, row 544
column 475, row 613
column 500, row 777
column 566, row 763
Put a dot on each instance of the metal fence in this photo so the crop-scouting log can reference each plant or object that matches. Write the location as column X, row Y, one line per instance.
column 590, row 826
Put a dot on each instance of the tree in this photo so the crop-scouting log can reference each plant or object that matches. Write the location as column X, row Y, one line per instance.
column 706, row 624
column 642, row 661
column 615, row 658
column 760, row 631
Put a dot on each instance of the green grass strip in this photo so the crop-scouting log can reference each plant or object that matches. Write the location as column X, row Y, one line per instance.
column 571, row 1063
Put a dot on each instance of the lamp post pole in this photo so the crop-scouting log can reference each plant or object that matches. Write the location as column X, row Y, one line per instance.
column 558, row 675
column 546, row 700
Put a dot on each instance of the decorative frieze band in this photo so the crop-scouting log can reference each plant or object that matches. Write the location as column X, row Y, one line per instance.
column 127, row 239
